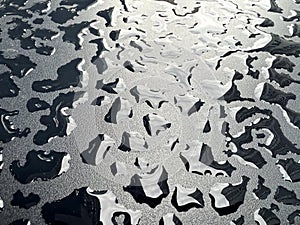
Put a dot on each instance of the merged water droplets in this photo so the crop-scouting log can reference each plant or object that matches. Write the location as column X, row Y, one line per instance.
column 164, row 103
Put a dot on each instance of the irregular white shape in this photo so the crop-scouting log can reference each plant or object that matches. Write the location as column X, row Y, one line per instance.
column 1, row 204
column 258, row 218
column 179, row 73
column 187, row 103
column 192, row 156
column 85, row 77
column 244, row 162
column 256, row 121
column 119, row 111
column 154, row 97
column 125, row 108
column 220, row 200
column 265, row 70
column 258, row 90
column 215, row 88
column 81, row 35
column 172, row 141
column 183, row 197
column 44, row 11
column 262, row 41
column 71, row 125
column 293, row 13
column 291, row 28
column 81, row 100
column 150, row 183
column 168, row 219
column 232, row 111
column 255, row 196
column 118, row 168
column 232, row 147
column 96, row 26
column 138, row 19
column 136, row 65
column 287, row 118
column 97, row 150
column 142, row 164
column 65, row 164
column 120, row 85
column 240, row 132
column 133, row 141
column 270, row 137
column 154, row 124
column 109, row 205
column 106, row 100
column 285, row 175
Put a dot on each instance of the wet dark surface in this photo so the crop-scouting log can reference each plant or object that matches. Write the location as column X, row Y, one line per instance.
column 261, row 192
column 195, row 199
column 40, row 165
column 149, row 112
column 156, row 180
column 24, row 201
column 233, row 196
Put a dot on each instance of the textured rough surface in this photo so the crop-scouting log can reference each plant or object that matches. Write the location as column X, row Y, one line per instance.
column 149, row 112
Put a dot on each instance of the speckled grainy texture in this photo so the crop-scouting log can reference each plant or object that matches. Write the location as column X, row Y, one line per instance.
column 149, row 112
